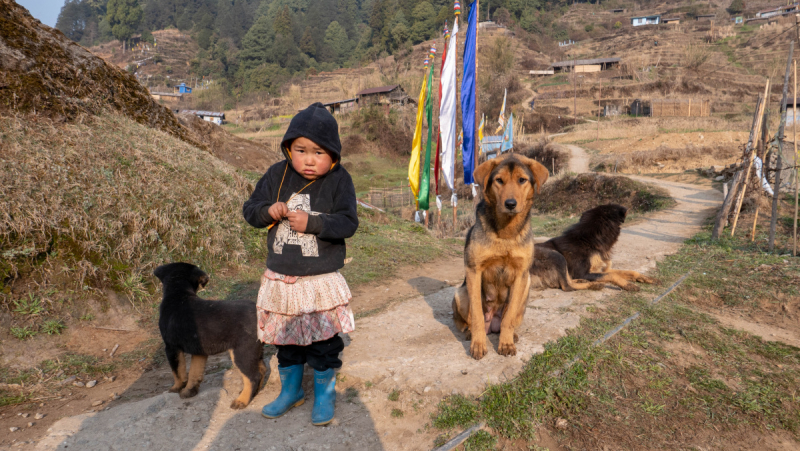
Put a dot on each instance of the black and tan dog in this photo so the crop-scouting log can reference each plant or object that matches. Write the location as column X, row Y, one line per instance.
column 585, row 250
column 200, row 328
column 498, row 253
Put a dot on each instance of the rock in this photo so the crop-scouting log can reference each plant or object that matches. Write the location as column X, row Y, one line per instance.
column 719, row 178
column 25, row 415
column 30, row 424
column 115, row 397
column 39, row 416
column 78, row 384
column 561, row 424
column 97, row 403
column 464, row 372
column 13, row 429
column 426, row 390
column 91, row 384
column 68, row 380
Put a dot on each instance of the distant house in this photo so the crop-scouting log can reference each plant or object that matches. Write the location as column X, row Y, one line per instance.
column 779, row 11
column 672, row 20
column 341, row 106
column 646, row 20
column 592, row 65
column 550, row 71
column 618, row 11
column 210, row 116
column 384, row 95
column 182, row 89
column 705, row 17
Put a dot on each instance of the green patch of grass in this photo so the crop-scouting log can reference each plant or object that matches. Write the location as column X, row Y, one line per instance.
column 29, row 305
column 480, row 441
column 551, row 225
column 23, row 333
column 394, row 395
column 397, row 413
column 384, row 243
column 77, row 365
column 53, row 327
column 373, row 171
column 455, row 411
column 10, row 399
column 87, row 317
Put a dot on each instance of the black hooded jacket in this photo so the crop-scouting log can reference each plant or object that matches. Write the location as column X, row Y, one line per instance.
column 330, row 202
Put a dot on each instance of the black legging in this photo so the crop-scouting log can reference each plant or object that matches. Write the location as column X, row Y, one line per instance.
column 320, row 355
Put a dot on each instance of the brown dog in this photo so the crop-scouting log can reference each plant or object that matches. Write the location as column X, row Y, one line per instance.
column 586, row 249
column 498, row 253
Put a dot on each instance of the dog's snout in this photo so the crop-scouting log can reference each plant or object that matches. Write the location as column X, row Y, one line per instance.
column 511, row 204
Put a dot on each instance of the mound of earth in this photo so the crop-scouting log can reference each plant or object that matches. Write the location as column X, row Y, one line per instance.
column 576, row 194
column 237, row 152
column 44, row 72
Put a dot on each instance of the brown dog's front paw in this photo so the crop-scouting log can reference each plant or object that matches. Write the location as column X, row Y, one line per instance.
column 507, row 349
column 236, row 404
column 630, row 287
column 477, row 349
column 189, row 392
column 177, row 387
column 645, row 279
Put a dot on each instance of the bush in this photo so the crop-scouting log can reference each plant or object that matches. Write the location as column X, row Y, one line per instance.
column 574, row 195
column 375, row 124
column 617, row 25
column 589, row 28
column 553, row 156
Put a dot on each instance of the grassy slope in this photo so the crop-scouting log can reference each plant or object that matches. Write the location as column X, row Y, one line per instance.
column 671, row 377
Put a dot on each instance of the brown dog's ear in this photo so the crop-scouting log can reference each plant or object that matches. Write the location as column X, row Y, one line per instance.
column 481, row 174
column 540, row 173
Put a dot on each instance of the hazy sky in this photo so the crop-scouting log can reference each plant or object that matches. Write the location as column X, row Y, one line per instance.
column 44, row 10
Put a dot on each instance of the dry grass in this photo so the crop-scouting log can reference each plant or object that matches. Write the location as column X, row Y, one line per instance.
column 552, row 155
column 103, row 201
column 662, row 156
column 567, row 194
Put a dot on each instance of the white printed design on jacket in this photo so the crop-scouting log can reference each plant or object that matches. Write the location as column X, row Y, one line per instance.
column 285, row 234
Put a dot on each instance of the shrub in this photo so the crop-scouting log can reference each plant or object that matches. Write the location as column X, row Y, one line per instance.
column 589, row 28
column 617, row 25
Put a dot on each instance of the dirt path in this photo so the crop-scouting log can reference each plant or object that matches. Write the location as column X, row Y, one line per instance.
column 579, row 159
column 410, row 346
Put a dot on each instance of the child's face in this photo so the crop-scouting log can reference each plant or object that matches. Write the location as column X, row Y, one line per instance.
column 309, row 159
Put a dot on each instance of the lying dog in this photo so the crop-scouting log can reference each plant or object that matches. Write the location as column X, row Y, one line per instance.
column 498, row 253
column 585, row 248
column 195, row 326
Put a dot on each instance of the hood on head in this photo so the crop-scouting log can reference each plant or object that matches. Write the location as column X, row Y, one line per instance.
column 317, row 124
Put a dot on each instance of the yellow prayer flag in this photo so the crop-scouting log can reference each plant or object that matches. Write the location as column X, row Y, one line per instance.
column 416, row 144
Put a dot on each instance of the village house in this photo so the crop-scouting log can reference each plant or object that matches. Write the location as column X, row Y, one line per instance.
column 341, row 106
column 182, row 89
column 384, row 95
column 209, row 116
column 671, row 20
column 646, row 20
column 779, row 11
column 591, row 65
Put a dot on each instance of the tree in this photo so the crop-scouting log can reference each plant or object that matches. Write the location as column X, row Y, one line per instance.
column 74, row 18
column 336, row 40
column 123, row 17
column 283, row 22
column 257, row 44
column 737, row 6
column 424, row 22
column 307, row 44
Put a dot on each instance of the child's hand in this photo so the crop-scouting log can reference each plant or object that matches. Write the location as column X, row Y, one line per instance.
column 298, row 220
column 278, row 211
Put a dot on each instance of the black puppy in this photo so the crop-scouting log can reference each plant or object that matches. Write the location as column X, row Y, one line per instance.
column 195, row 326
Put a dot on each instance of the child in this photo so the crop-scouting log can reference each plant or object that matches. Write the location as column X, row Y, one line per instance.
column 309, row 203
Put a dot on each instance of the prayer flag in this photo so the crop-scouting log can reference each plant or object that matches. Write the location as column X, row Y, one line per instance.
column 447, row 112
column 468, row 95
column 416, row 144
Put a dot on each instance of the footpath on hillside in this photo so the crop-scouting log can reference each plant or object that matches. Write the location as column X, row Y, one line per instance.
column 398, row 363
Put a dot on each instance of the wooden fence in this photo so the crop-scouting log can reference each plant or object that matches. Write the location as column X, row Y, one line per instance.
column 388, row 198
column 680, row 107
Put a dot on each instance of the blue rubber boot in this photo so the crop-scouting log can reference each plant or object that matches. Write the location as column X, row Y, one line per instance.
column 324, row 397
column 292, row 394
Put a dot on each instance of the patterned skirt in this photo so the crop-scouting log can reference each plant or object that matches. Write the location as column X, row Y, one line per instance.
column 296, row 310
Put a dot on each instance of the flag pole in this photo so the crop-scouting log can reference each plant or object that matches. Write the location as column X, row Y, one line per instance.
column 477, row 27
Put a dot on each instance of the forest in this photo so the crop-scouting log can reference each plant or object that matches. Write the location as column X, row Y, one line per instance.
column 257, row 45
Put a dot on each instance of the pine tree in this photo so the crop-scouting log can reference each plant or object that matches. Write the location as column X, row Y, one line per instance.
column 737, row 6
column 123, row 17
column 73, row 19
column 336, row 40
column 307, row 44
column 257, row 44
column 283, row 22
column 424, row 22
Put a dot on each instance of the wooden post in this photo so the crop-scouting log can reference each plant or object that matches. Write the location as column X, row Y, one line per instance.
column 761, row 147
column 722, row 216
column 455, row 218
column 690, row 107
column 773, row 221
column 749, row 163
column 796, row 169
column 599, row 109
